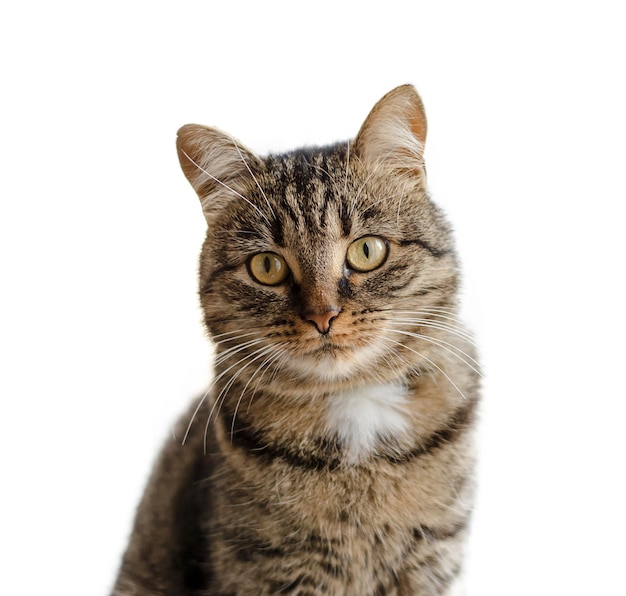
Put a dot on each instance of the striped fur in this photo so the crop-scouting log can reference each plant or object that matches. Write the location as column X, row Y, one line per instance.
column 332, row 454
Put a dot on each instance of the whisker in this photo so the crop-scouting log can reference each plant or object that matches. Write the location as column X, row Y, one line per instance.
column 281, row 355
column 285, row 356
column 224, row 392
column 458, row 331
column 273, row 356
column 449, row 314
column 460, row 354
column 223, row 356
column 245, row 163
column 233, row 338
column 195, row 413
column 388, row 339
column 435, row 318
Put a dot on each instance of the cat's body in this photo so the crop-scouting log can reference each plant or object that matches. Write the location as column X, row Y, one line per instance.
column 333, row 454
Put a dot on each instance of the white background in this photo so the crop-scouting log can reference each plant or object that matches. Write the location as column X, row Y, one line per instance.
column 101, row 342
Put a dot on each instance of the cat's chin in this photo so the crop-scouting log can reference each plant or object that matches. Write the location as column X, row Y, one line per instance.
column 336, row 363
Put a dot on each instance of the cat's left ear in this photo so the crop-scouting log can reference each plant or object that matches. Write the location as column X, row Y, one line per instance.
column 395, row 131
column 216, row 165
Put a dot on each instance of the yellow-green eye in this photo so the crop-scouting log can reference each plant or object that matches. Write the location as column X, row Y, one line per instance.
column 367, row 254
column 268, row 268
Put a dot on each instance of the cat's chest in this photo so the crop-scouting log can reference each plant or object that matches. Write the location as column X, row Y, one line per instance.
column 362, row 418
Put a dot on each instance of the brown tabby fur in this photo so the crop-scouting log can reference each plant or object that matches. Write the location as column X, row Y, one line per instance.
column 332, row 462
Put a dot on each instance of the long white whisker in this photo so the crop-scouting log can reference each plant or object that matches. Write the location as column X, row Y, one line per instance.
column 460, row 354
column 226, row 340
column 285, row 356
column 393, row 360
column 429, row 361
column 435, row 312
column 281, row 355
column 245, row 163
column 458, row 331
column 222, row 357
column 195, row 413
column 214, row 337
column 262, row 366
column 451, row 322
column 223, row 393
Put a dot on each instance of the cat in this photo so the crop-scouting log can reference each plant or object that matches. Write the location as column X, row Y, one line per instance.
column 333, row 453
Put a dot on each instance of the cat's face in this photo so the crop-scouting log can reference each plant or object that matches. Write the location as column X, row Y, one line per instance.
column 315, row 261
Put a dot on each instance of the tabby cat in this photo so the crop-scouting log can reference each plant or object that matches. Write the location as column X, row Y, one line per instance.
column 333, row 453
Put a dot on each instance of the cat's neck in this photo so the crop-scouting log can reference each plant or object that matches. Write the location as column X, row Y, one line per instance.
column 345, row 426
column 364, row 417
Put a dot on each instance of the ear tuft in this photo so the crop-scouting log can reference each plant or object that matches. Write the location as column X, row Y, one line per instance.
column 395, row 130
column 214, row 163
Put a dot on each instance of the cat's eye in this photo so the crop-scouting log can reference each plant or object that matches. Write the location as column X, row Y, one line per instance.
column 268, row 268
column 367, row 253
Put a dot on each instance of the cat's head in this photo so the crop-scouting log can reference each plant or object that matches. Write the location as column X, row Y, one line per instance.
column 323, row 261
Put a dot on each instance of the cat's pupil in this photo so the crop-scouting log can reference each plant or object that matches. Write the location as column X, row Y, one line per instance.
column 267, row 264
column 366, row 250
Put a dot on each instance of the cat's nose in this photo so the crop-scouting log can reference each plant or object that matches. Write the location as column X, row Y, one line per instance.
column 322, row 321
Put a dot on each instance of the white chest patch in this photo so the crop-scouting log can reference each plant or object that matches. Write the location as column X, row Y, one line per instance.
column 360, row 418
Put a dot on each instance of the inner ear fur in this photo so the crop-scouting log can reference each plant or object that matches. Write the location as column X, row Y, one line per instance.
column 395, row 130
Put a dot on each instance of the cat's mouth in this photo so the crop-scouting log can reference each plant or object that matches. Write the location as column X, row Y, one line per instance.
column 328, row 347
column 331, row 359
column 325, row 355
column 337, row 355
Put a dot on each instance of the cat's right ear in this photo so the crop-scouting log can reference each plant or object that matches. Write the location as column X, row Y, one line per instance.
column 215, row 164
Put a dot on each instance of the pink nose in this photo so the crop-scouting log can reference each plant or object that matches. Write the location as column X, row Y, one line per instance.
column 322, row 321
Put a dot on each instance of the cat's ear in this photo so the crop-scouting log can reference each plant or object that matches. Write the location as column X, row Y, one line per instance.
column 395, row 131
column 215, row 164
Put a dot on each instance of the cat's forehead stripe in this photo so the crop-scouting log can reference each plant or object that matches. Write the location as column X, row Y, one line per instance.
column 305, row 193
